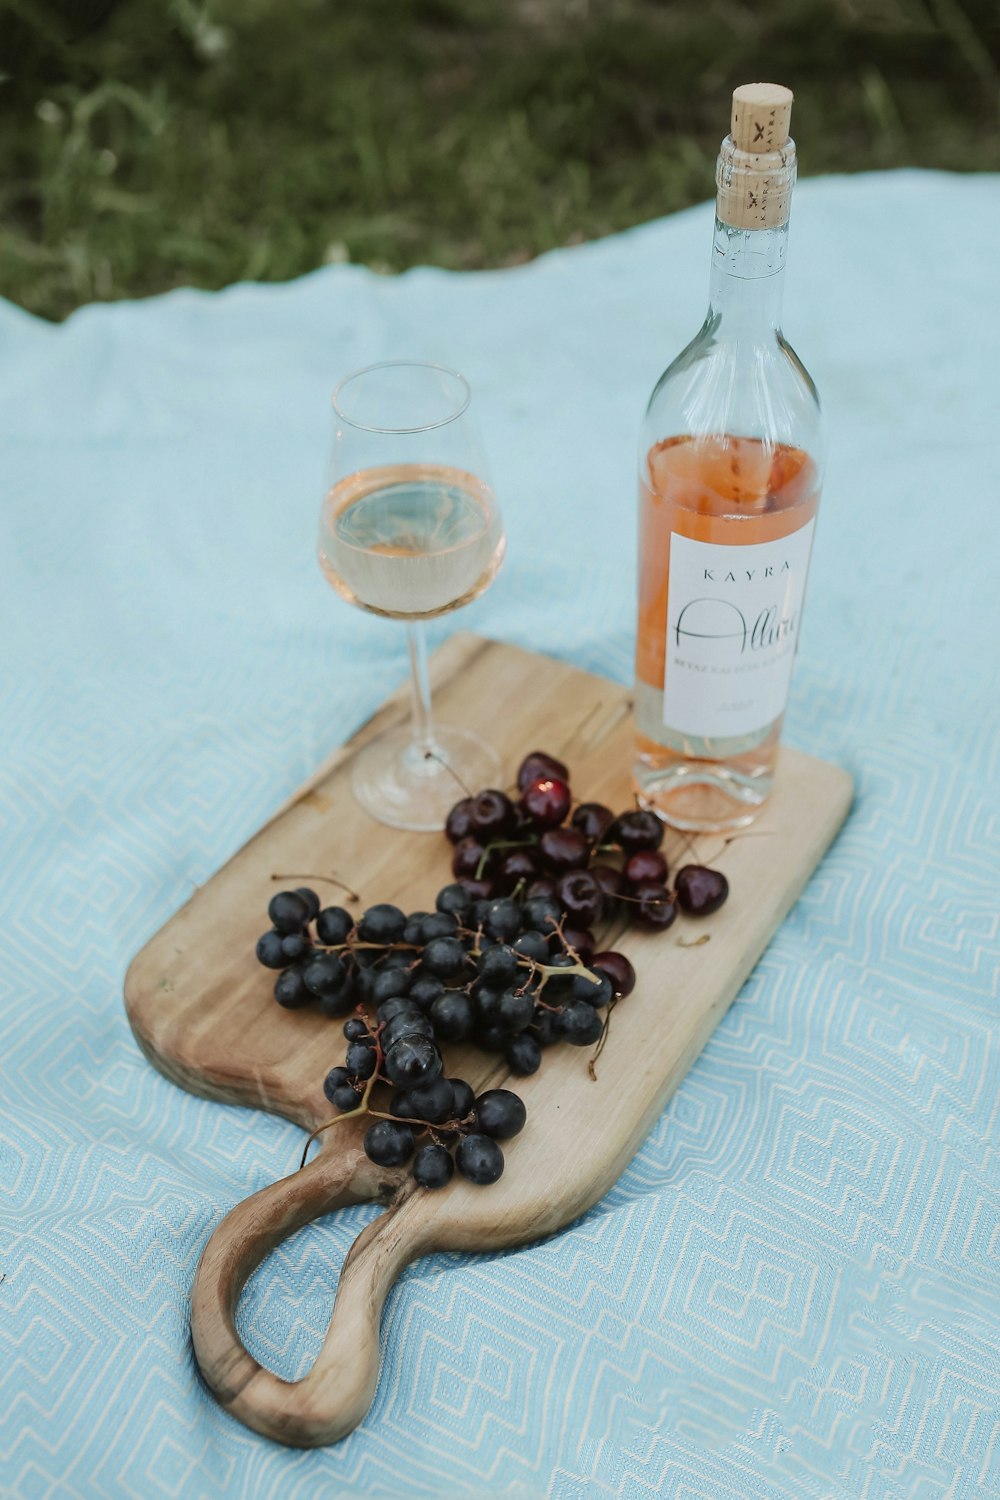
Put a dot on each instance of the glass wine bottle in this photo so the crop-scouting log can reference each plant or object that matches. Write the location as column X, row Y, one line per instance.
column 730, row 468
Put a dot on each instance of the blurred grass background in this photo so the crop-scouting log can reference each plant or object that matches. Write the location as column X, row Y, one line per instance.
column 147, row 144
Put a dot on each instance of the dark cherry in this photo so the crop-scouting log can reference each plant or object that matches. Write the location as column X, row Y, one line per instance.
column 544, row 888
column 522, row 828
column 611, row 881
column 540, row 765
column 458, row 824
column 593, row 820
column 546, row 801
column 581, row 940
column 479, row 890
column 645, row 865
column 636, row 830
column 655, row 907
column 493, row 815
column 700, row 891
column 618, row 969
column 513, row 866
column 564, row 849
column 581, row 896
column 467, row 856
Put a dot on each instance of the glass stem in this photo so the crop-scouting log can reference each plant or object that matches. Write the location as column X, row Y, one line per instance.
column 423, row 727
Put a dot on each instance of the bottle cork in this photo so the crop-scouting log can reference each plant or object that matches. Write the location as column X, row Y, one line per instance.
column 762, row 113
column 756, row 168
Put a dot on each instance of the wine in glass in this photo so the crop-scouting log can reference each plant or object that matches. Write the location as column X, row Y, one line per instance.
column 410, row 529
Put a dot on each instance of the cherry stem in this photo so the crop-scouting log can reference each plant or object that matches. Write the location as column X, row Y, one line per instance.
column 330, row 880
column 601, row 1041
column 430, row 754
column 670, row 899
column 501, row 844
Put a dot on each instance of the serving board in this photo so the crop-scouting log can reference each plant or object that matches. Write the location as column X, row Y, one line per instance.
column 203, row 1012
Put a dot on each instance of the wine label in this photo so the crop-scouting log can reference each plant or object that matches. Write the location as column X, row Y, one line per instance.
column 732, row 628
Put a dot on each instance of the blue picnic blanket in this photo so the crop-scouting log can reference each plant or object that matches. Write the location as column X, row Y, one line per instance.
column 793, row 1289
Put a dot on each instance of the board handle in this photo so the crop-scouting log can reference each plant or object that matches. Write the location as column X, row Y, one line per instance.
column 334, row 1396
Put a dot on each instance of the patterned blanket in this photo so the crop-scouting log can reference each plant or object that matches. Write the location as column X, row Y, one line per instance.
column 792, row 1291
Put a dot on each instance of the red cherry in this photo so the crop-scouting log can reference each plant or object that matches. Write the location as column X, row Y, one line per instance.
column 636, row 830
column 563, row 849
column 493, row 815
column 656, row 909
column 545, row 886
column 514, row 865
column 645, row 865
column 539, row 766
column 593, row 820
column 466, row 858
column 458, row 824
column 581, row 896
column 618, row 969
column 611, row 881
column 581, row 939
column 546, row 801
column 700, row 891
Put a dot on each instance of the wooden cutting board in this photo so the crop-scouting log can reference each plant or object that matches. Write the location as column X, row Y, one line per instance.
column 203, row 1012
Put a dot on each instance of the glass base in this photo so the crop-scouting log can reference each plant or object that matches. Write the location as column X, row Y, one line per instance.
column 399, row 784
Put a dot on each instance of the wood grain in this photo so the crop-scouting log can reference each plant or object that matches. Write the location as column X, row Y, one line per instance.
column 203, row 1013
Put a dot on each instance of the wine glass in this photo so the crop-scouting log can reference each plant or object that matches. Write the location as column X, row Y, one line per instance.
column 410, row 529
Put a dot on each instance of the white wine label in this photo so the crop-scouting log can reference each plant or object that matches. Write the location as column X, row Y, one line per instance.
column 732, row 627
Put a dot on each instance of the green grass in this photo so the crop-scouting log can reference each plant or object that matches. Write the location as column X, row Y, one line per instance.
column 181, row 142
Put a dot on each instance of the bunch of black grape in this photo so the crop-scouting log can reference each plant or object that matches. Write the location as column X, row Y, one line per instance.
column 500, row 972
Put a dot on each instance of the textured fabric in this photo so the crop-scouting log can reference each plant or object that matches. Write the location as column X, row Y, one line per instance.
column 792, row 1291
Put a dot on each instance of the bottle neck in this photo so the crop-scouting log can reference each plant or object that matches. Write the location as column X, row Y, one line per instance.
column 747, row 282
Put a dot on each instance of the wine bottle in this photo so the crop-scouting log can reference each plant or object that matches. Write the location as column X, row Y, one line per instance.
column 730, row 466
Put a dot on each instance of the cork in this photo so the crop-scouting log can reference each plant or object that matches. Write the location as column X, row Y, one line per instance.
column 756, row 168
column 762, row 113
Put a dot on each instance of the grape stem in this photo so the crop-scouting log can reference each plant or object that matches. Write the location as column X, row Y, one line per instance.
column 362, row 1109
column 389, row 947
column 330, row 880
column 424, row 1126
column 547, row 970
